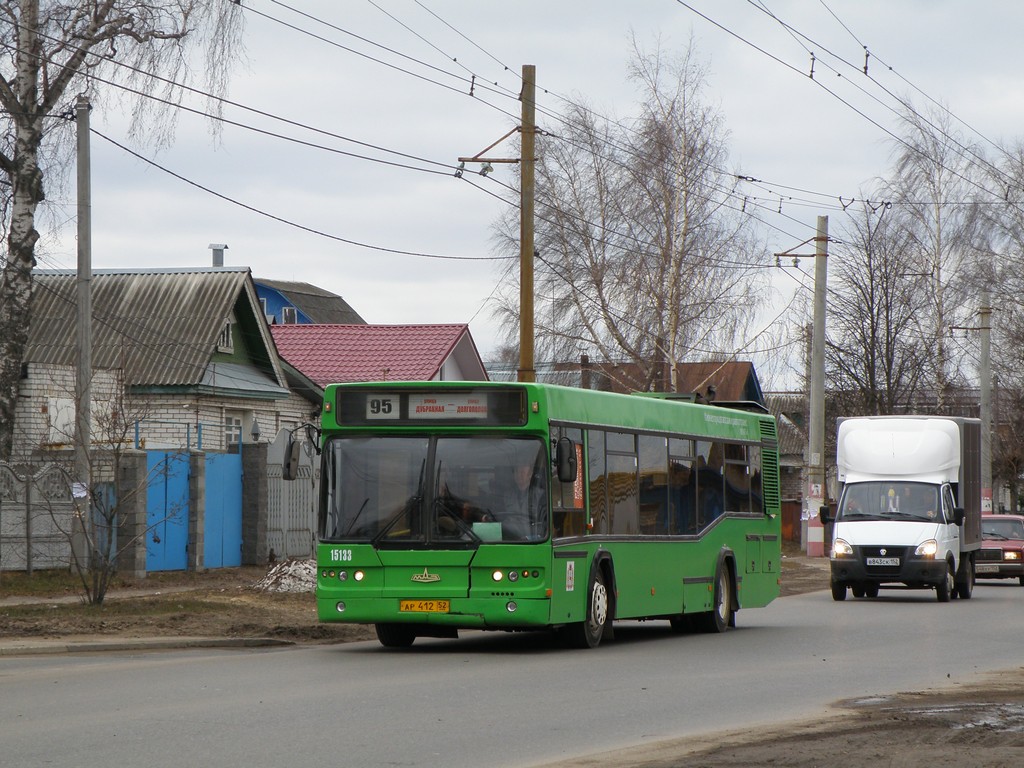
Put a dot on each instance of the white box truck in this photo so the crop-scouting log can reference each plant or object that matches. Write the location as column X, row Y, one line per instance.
column 909, row 509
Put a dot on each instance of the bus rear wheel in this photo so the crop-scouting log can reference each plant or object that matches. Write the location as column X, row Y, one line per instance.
column 588, row 633
column 395, row 635
column 721, row 617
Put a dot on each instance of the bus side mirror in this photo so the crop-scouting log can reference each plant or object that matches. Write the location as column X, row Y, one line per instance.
column 292, row 451
column 823, row 515
column 959, row 515
column 565, row 460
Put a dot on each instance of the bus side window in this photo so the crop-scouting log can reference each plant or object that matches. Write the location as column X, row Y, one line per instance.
column 653, row 452
column 598, row 480
column 569, row 512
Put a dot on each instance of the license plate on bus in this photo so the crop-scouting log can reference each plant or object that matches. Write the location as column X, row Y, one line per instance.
column 883, row 561
column 424, row 606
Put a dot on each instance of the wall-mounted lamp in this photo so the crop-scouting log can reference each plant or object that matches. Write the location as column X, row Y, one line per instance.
column 255, row 432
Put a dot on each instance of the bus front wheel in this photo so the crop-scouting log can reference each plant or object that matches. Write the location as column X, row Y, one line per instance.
column 395, row 635
column 588, row 633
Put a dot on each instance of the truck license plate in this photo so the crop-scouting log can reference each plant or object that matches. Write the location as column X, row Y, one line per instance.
column 883, row 561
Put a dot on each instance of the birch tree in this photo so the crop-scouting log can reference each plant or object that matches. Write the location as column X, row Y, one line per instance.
column 875, row 359
column 51, row 51
column 643, row 257
column 934, row 185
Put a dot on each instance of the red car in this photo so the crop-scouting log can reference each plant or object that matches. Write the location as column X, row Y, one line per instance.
column 1002, row 548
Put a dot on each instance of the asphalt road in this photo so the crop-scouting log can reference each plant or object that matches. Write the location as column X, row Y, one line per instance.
column 495, row 699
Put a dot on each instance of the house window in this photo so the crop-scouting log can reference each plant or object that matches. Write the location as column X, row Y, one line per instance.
column 232, row 430
column 289, row 316
column 226, row 343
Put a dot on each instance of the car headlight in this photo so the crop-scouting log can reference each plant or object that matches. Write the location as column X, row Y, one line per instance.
column 841, row 548
column 1011, row 555
column 927, row 548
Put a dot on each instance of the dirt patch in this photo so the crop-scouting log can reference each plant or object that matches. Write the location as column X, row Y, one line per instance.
column 218, row 603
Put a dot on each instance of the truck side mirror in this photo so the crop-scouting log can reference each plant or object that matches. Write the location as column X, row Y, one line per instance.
column 292, row 452
column 565, row 460
column 823, row 515
column 959, row 515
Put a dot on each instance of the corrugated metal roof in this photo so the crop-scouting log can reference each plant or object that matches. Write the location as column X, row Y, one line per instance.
column 340, row 353
column 160, row 326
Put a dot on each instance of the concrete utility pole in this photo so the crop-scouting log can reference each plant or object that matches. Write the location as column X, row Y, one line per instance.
column 816, row 416
column 985, row 374
column 83, row 408
column 526, row 191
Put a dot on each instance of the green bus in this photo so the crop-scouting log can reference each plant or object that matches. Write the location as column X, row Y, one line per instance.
column 522, row 506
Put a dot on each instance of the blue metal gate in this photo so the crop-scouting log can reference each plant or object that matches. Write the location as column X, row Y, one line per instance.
column 222, row 534
column 167, row 511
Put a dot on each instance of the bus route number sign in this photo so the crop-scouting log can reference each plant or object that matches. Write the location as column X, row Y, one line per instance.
column 381, row 407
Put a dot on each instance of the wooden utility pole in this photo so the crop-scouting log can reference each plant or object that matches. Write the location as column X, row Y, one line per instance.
column 526, row 191
column 83, row 412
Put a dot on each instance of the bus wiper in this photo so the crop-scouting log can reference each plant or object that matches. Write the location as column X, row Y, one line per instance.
column 442, row 508
column 356, row 518
column 411, row 505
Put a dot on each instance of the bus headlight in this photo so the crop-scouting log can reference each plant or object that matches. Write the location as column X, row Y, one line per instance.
column 359, row 575
column 513, row 575
column 927, row 548
column 339, row 607
column 497, row 575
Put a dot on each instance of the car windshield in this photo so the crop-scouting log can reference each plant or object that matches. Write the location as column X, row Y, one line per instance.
column 891, row 501
column 449, row 491
column 1002, row 529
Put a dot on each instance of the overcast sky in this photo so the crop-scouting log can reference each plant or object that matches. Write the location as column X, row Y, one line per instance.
column 393, row 76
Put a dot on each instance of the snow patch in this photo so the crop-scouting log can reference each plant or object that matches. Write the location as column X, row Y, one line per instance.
column 289, row 576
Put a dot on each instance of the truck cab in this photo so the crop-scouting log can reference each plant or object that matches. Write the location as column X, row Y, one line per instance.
column 901, row 533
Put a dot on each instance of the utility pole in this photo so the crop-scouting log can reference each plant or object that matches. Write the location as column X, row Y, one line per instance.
column 985, row 374
column 816, row 416
column 526, row 191
column 83, row 410
column 527, row 162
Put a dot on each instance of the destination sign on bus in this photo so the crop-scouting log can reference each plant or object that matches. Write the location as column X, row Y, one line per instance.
column 448, row 406
column 497, row 406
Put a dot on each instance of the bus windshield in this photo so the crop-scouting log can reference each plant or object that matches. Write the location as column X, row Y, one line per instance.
column 439, row 491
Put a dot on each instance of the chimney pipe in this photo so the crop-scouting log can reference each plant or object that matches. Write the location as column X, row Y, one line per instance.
column 218, row 253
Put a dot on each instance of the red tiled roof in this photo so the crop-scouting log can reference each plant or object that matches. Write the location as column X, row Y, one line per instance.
column 330, row 354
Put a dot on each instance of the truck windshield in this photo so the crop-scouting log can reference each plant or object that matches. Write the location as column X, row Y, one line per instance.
column 891, row 501
column 449, row 491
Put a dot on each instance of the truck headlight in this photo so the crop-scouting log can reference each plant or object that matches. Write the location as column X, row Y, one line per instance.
column 927, row 548
column 841, row 548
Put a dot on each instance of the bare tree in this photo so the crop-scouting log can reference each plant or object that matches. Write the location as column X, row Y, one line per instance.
column 875, row 357
column 642, row 259
column 934, row 184
column 50, row 50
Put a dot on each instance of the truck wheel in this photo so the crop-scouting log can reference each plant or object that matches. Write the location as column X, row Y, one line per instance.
column 858, row 590
column 838, row 592
column 395, row 635
column 871, row 590
column 965, row 584
column 944, row 589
